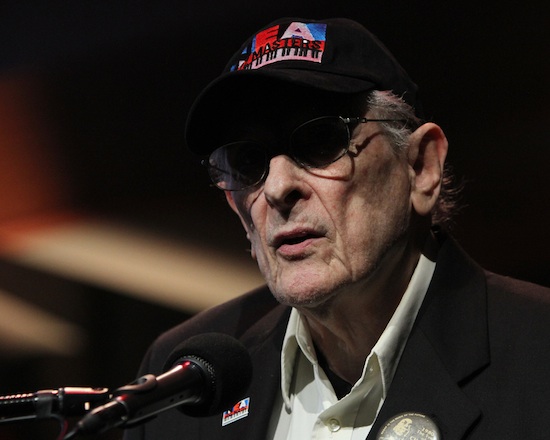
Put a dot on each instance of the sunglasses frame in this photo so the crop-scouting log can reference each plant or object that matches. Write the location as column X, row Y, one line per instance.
column 213, row 169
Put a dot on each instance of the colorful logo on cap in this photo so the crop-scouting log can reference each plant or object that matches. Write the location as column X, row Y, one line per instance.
column 296, row 42
column 239, row 411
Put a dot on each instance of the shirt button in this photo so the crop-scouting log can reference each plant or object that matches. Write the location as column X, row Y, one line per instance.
column 333, row 425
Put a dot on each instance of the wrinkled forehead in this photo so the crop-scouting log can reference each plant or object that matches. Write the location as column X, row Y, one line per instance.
column 275, row 110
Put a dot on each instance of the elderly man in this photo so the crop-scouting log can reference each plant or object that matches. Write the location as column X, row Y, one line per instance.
column 373, row 319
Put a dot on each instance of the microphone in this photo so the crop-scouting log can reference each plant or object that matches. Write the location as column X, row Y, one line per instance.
column 68, row 401
column 206, row 374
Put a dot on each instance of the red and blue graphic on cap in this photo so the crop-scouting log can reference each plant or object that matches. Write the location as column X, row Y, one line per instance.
column 299, row 41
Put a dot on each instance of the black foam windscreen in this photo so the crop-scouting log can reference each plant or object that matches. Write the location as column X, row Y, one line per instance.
column 229, row 369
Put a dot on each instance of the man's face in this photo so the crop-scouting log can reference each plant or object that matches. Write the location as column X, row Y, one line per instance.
column 316, row 233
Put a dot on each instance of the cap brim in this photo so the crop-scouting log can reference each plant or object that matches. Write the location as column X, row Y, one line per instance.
column 234, row 89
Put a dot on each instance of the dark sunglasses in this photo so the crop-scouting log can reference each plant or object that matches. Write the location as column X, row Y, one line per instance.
column 314, row 144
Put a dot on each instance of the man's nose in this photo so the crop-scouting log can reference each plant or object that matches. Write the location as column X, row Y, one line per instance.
column 283, row 186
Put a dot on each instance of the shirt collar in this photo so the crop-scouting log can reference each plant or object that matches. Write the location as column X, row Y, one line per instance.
column 387, row 351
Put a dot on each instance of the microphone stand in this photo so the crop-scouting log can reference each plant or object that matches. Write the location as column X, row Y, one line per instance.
column 51, row 404
column 101, row 423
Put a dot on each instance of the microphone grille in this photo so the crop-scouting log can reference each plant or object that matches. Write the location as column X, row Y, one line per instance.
column 228, row 363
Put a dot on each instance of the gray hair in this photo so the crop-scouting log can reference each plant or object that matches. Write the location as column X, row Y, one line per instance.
column 386, row 105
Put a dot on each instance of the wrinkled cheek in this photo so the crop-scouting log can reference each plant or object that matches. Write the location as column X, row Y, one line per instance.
column 245, row 204
column 266, row 262
column 257, row 250
column 261, row 256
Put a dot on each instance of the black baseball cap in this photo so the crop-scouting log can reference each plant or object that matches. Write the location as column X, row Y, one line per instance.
column 336, row 55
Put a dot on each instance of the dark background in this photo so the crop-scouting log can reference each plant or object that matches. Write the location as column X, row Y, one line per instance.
column 116, row 80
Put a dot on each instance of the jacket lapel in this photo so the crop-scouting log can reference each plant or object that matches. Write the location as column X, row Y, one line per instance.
column 448, row 346
column 438, row 397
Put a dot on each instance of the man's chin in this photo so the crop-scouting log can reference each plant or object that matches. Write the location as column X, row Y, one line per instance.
column 304, row 299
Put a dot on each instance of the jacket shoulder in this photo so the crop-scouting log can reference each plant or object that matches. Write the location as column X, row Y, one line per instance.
column 517, row 291
column 249, row 318
column 521, row 309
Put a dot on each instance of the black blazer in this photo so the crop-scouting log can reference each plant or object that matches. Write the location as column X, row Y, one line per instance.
column 477, row 360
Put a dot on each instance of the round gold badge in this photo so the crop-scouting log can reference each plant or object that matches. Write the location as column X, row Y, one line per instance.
column 410, row 426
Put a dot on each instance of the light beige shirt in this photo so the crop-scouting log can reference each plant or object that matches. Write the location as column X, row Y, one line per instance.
column 308, row 408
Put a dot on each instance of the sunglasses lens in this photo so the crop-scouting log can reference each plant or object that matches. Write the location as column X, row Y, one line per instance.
column 314, row 144
column 320, row 142
column 237, row 165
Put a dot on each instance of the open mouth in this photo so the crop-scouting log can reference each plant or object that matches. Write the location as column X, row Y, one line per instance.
column 295, row 239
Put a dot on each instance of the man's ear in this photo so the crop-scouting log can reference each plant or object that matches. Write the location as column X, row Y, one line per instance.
column 427, row 152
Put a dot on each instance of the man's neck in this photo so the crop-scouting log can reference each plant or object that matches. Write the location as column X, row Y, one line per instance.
column 347, row 330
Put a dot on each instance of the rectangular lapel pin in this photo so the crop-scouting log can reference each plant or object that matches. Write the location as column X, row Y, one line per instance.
column 239, row 411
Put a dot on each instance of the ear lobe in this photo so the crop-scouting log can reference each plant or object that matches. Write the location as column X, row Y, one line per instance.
column 427, row 153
